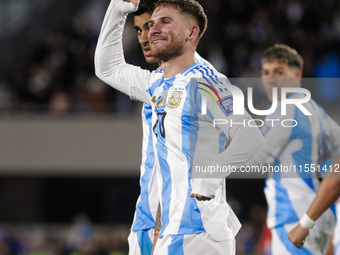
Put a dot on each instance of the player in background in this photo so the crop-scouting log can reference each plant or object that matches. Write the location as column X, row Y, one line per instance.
column 143, row 227
column 326, row 196
column 309, row 142
column 143, row 232
column 188, row 225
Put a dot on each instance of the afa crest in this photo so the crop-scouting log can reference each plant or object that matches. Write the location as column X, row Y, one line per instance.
column 175, row 99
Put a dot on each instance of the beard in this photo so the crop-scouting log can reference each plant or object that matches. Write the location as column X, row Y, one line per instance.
column 167, row 52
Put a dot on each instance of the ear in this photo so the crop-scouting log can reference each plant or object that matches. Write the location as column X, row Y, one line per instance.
column 193, row 33
column 298, row 74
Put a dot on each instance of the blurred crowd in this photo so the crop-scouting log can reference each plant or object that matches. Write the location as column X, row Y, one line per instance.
column 82, row 237
column 54, row 72
column 79, row 238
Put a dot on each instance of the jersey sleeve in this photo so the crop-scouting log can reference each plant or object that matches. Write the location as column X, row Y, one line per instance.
column 276, row 138
column 110, row 65
column 245, row 140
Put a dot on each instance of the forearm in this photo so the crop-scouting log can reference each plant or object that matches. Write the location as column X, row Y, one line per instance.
column 243, row 146
column 327, row 194
column 245, row 143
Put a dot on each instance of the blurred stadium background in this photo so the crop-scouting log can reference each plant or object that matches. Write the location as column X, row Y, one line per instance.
column 70, row 145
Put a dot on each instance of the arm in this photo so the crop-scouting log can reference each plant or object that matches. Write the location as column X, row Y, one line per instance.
column 326, row 196
column 110, row 64
column 245, row 142
column 276, row 138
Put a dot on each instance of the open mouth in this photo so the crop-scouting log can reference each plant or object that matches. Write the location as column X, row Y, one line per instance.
column 147, row 51
column 157, row 41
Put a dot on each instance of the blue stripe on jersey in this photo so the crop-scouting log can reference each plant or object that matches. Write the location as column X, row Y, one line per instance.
column 337, row 248
column 162, row 153
column 304, row 133
column 208, row 79
column 187, row 70
column 176, row 245
column 211, row 74
column 166, row 181
column 191, row 218
column 144, row 242
column 144, row 218
column 155, row 85
column 222, row 141
column 283, row 235
column 285, row 212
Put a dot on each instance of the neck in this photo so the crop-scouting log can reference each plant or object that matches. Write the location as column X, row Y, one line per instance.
column 176, row 65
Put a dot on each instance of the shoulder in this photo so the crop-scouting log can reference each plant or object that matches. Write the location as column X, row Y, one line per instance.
column 204, row 71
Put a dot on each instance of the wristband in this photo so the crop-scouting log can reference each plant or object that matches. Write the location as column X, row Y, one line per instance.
column 307, row 222
column 157, row 234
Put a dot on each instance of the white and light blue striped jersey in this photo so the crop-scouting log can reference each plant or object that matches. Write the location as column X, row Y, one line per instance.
column 303, row 143
column 183, row 132
column 147, row 203
column 177, row 122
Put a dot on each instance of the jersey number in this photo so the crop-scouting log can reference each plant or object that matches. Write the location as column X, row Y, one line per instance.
column 158, row 128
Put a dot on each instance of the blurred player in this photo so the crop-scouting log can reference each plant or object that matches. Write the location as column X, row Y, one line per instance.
column 305, row 146
column 143, row 228
column 175, row 29
column 326, row 196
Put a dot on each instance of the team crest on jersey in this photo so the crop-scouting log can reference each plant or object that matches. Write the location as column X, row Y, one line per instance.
column 175, row 99
column 227, row 105
column 161, row 101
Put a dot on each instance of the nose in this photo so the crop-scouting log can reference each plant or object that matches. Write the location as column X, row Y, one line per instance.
column 270, row 78
column 143, row 38
column 154, row 29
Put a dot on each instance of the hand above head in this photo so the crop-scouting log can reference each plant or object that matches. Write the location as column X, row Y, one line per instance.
column 298, row 235
column 128, row 6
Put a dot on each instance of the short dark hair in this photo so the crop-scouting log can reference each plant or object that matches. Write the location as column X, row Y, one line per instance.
column 190, row 7
column 283, row 54
column 145, row 6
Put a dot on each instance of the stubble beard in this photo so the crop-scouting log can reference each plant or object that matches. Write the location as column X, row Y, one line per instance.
column 168, row 52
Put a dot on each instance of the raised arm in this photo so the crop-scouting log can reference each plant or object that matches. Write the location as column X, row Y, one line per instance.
column 110, row 65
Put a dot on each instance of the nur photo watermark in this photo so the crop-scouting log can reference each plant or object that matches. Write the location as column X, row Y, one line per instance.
column 299, row 142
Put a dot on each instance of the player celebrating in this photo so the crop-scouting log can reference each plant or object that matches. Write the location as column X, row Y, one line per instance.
column 188, row 225
column 307, row 144
column 143, row 228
